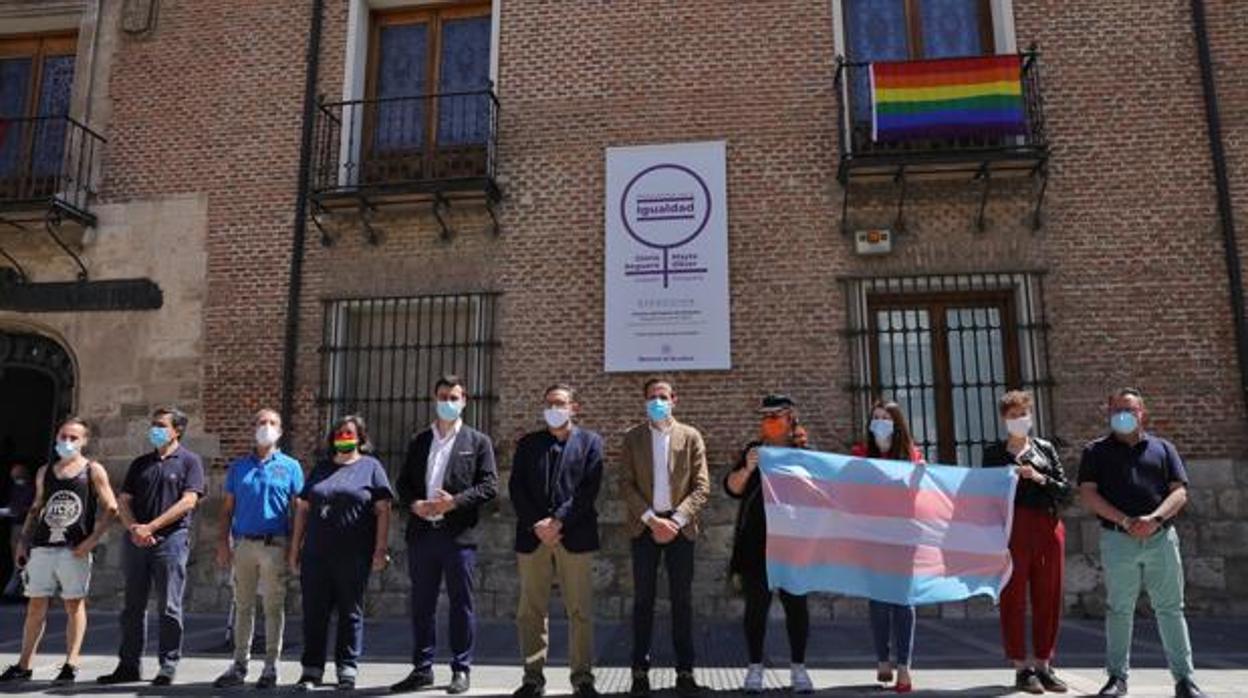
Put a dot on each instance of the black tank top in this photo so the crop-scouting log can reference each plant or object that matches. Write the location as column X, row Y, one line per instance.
column 68, row 515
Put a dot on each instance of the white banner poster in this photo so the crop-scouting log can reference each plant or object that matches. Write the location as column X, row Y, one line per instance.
column 667, row 258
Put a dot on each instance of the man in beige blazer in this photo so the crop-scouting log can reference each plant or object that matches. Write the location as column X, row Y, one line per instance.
column 665, row 484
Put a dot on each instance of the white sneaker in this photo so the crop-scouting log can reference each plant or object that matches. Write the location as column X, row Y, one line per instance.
column 753, row 679
column 800, row 680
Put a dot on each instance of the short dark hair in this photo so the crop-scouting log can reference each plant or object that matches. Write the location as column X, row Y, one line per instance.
column 1127, row 391
column 450, row 380
column 561, row 386
column 655, row 380
column 176, row 416
column 361, row 432
column 74, row 419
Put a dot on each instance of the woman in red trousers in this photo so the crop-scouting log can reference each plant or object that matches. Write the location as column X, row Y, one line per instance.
column 1037, row 546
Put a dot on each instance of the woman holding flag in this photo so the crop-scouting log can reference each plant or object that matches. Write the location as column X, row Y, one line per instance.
column 892, row 625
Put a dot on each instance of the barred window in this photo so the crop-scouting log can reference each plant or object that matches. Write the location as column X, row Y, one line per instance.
column 946, row 348
column 382, row 356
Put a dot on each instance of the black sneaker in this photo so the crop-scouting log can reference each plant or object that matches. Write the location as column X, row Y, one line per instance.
column 529, row 690
column 162, row 680
column 418, row 679
column 307, row 683
column 1025, row 680
column 233, row 677
column 266, row 681
column 68, row 675
column 585, row 690
column 1049, row 680
column 1114, row 687
column 459, row 683
column 641, row 685
column 16, row 673
column 1187, row 689
column 120, row 675
column 346, row 683
column 686, row 686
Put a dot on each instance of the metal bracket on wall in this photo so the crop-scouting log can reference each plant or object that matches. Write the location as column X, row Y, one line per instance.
column 1037, row 216
column 370, row 231
column 899, row 223
column 845, row 208
column 318, row 213
column 442, row 205
column 981, row 223
column 17, row 267
column 52, row 223
column 489, row 208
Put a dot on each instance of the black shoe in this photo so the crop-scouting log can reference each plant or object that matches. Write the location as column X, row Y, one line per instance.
column 418, row 679
column 68, row 675
column 306, row 683
column 585, row 690
column 1187, row 689
column 1049, row 680
column 120, row 675
column 1114, row 687
column 686, row 687
column 1027, row 681
column 641, row 685
column 16, row 673
column 266, row 681
column 459, row 683
column 346, row 683
column 529, row 690
column 163, row 680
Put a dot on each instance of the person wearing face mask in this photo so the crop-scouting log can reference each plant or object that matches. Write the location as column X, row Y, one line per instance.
column 749, row 550
column 161, row 490
column 892, row 625
column 1136, row 484
column 260, row 491
column 341, row 525
column 555, row 476
column 449, row 475
column 72, row 509
column 1037, row 545
column 665, row 483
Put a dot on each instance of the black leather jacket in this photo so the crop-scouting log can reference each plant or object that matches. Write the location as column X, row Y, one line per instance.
column 1054, row 494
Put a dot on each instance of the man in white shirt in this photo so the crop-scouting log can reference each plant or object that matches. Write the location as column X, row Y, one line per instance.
column 665, row 483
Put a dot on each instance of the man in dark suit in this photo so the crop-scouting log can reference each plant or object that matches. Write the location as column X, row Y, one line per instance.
column 448, row 475
column 555, row 476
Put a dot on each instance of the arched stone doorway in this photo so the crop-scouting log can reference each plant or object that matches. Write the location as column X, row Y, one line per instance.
column 36, row 392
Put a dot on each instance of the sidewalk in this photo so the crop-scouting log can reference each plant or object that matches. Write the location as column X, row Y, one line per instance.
column 959, row 658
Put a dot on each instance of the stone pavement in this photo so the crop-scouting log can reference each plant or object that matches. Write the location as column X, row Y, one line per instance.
column 953, row 658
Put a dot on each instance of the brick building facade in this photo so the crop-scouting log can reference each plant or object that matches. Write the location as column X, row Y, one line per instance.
column 499, row 235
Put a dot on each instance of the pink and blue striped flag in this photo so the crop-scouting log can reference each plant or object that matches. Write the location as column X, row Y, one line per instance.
column 886, row 530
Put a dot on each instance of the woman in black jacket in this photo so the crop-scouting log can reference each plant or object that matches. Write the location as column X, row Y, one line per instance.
column 1037, row 545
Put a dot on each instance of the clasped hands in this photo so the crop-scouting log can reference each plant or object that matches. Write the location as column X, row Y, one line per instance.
column 439, row 505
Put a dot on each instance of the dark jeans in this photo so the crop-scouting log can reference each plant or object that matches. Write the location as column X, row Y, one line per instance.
column 677, row 557
column 332, row 584
column 758, row 605
column 162, row 567
column 431, row 556
column 893, row 628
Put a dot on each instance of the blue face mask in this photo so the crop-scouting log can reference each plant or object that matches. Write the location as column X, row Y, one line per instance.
column 65, row 449
column 159, row 436
column 1124, row 422
column 658, row 409
column 449, row 411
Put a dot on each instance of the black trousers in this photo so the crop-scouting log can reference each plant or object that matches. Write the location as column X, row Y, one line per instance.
column 758, row 606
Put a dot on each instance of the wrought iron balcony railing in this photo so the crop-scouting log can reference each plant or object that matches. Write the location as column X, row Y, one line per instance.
column 46, row 162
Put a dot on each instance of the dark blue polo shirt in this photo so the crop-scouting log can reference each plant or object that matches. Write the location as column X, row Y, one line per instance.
column 340, row 506
column 155, row 484
column 1135, row 479
column 262, row 490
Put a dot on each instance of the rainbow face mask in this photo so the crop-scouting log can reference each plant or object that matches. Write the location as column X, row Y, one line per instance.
column 345, row 442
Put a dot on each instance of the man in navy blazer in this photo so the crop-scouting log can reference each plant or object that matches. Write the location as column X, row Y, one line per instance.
column 555, row 476
column 448, row 475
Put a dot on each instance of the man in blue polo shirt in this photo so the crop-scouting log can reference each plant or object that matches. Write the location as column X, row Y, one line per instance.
column 260, row 489
column 161, row 489
column 1136, row 483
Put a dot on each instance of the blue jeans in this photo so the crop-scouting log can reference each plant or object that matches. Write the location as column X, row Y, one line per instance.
column 431, row 556
column 162, row 566
column 329, row 585
column 677, row 557
column 892, row 625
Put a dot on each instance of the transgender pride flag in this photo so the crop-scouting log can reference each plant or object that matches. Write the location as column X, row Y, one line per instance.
column 886, row 530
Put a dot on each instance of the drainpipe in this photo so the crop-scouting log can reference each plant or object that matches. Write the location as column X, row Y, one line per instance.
column 1226, row 213
column 295, row 290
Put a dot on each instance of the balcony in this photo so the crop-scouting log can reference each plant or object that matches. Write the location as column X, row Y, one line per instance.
column 964, row 145
column 394, row 152
column 45, row 169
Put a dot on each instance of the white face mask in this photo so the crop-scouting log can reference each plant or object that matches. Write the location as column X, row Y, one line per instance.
column 882, row 430
column 267, row 435
column 556, row 416
column 1019, row 426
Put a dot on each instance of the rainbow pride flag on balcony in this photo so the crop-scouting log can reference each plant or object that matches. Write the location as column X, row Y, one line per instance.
column 886, row 530
column 947, row 98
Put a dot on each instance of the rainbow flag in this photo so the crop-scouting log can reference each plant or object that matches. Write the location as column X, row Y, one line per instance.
column 886, row 530
column 947, row 98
